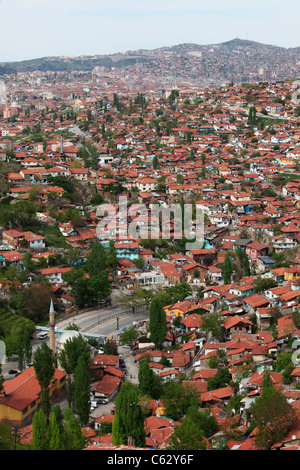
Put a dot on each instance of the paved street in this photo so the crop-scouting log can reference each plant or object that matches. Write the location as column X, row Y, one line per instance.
column 132, row 376
column 108, row 328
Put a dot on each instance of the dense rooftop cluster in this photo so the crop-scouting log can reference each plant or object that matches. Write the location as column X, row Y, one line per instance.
column 72, row 143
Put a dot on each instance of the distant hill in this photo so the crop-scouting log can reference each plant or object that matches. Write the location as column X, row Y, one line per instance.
column 240, row 42
column 85, row 63
column 237, row 59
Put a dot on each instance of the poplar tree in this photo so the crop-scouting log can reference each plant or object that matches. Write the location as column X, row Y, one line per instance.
column 244, row 261
column 252, row 118
column 227, row 269
column 157, row 323
column 56, row 410
column 128, row 423
column 69, row 357
column 155, row 162
column 82, row 391
column 54, row 433
column 73, row 438
column 44, row 366
column 40, row 431
column 146, row 379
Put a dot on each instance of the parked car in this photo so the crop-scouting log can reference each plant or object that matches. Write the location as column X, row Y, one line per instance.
column 105, row 301
column 42, row 335
column 101, row 401
column 12, row 372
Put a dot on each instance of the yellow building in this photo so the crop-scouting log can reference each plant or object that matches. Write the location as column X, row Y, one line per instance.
column 178, row 309
column 21, row 396
column 291, row 273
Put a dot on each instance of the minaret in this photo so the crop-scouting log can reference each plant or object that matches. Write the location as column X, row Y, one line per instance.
column 52, row 326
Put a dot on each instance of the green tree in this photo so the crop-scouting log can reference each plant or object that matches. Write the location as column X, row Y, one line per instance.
column 12, row 329
column 44, row 366
column 74, row 348
column 244, row 262
column 220, row 380
column 89, row 153
column 172, row 97
column 179, row 292
column 227, row 269
column 99, row 287
column 134, row 299
column 82, row 391
column 40, row 431
column 252, row 116
column 37, row 301
column 54, row 433
column 150, row 384
column 204, row 419
column 146, row 379
column 88, row 289
column 157, row 323
column 79, row 283
column 111, row 347
column 148, row 295
column 112, row 256
column 24, row 349
column 6, row 436
column 272, row 415
column 128, row 423
column 260, row 284
column 28, row 263
column 129, row 336
column 56, row 410
column 187, row 436
column 212, row 323
column 284, row 359
column 155, row 162
column 97, row 259
column 178, row 398
column 73, row 437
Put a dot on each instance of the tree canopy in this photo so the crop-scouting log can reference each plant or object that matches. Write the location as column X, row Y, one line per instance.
column 157, row 323
column 128, row 420
column 273, row 415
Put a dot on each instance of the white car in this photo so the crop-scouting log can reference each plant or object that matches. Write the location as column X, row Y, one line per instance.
column 43, row 336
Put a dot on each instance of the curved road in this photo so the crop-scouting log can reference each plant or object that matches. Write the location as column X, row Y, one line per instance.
column 102, row 321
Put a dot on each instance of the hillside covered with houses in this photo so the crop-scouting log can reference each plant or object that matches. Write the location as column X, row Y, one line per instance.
column 70, row 155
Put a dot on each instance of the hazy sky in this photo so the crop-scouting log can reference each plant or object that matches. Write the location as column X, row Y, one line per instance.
column 39, row 28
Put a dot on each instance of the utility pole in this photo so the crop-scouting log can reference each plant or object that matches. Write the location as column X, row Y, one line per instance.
column 15, row 434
